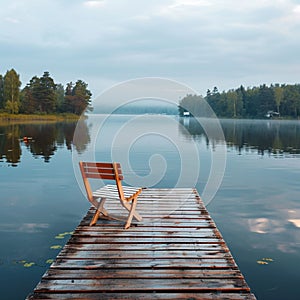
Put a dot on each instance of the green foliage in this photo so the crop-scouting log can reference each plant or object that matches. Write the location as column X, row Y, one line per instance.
column 77, row 97
column 47, row 96
column 42, row 96
column 12, row 106
column 290, row 105
column 28, row 97
column 60, row 97
column 39, row 96
column 278, row 95
column 256, row 102
column 11, row 91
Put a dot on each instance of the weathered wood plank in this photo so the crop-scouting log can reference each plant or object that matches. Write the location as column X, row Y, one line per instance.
column 144, row 228
column 176, row 252
column 144, row 296
column 77, row 254
column 141, row 247
column 144, row 263
column 165, row 223
column 136, row 240
column 140, row 285
column 141, row 235
column 159, row 210
column 147, row 273
column 177, row 219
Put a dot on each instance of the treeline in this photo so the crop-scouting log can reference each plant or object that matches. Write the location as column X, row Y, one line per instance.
column 42, row 95
column 256, row 102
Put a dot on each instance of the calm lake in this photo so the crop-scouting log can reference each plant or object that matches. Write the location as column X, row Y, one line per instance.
column 256, row 207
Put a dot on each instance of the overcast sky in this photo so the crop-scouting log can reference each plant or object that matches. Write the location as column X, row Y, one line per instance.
column 201, row 43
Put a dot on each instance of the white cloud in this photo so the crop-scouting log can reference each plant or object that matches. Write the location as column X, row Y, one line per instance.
column 94, row 4
column 213, row 42
column 193, row 3
column 182, row 9
column 12, row 20
column 296, row 9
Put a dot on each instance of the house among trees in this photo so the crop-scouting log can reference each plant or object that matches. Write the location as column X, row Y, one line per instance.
column 256, row 102
column 272, row 114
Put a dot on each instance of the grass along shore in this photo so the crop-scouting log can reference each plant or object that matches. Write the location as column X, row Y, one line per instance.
column 6, row 118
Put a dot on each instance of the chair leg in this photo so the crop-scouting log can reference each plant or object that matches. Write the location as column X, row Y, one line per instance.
column 95, row 217
column 131, row 213
column 101, row 207
column 99, row 210
column 136, row 215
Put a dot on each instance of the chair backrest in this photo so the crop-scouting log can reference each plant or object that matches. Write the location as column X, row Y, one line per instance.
column 101, row 170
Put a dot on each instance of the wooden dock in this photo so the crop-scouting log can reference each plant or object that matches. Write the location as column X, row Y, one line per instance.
column 176, row 252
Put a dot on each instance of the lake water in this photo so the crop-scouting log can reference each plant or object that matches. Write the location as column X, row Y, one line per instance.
column 256, row 207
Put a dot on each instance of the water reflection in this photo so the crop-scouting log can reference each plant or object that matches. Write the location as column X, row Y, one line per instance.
column 276, row 138
column 272, row 137
column 42, row 140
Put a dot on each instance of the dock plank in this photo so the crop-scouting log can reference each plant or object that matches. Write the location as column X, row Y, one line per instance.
column 147, row 273
column 144, row 296
column 141, row 285
column 176, row 252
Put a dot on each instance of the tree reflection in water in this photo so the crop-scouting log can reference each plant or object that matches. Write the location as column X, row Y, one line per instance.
column 42, row 140
column 274, row 137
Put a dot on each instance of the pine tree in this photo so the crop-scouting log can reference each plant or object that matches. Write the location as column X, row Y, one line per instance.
column 47, row 96
column 77, row 97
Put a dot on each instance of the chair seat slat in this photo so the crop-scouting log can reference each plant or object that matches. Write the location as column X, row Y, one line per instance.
column 111, row 191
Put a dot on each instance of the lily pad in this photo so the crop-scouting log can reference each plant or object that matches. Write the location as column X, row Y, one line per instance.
column 28, row 264
column 49, row 261
column 25, row 263
column 265, row 261
column 22, row 261
column 268, row 259
column 60, row 236
column 56, row 247
column 262, row 262
column 63, row 234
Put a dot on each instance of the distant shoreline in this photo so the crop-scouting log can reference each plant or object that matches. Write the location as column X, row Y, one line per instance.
column 6, row 118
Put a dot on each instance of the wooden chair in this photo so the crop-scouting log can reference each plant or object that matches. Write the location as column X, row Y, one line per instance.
column 109, row 171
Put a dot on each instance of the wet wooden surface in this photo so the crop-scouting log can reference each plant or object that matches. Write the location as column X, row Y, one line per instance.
column 176, row 252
